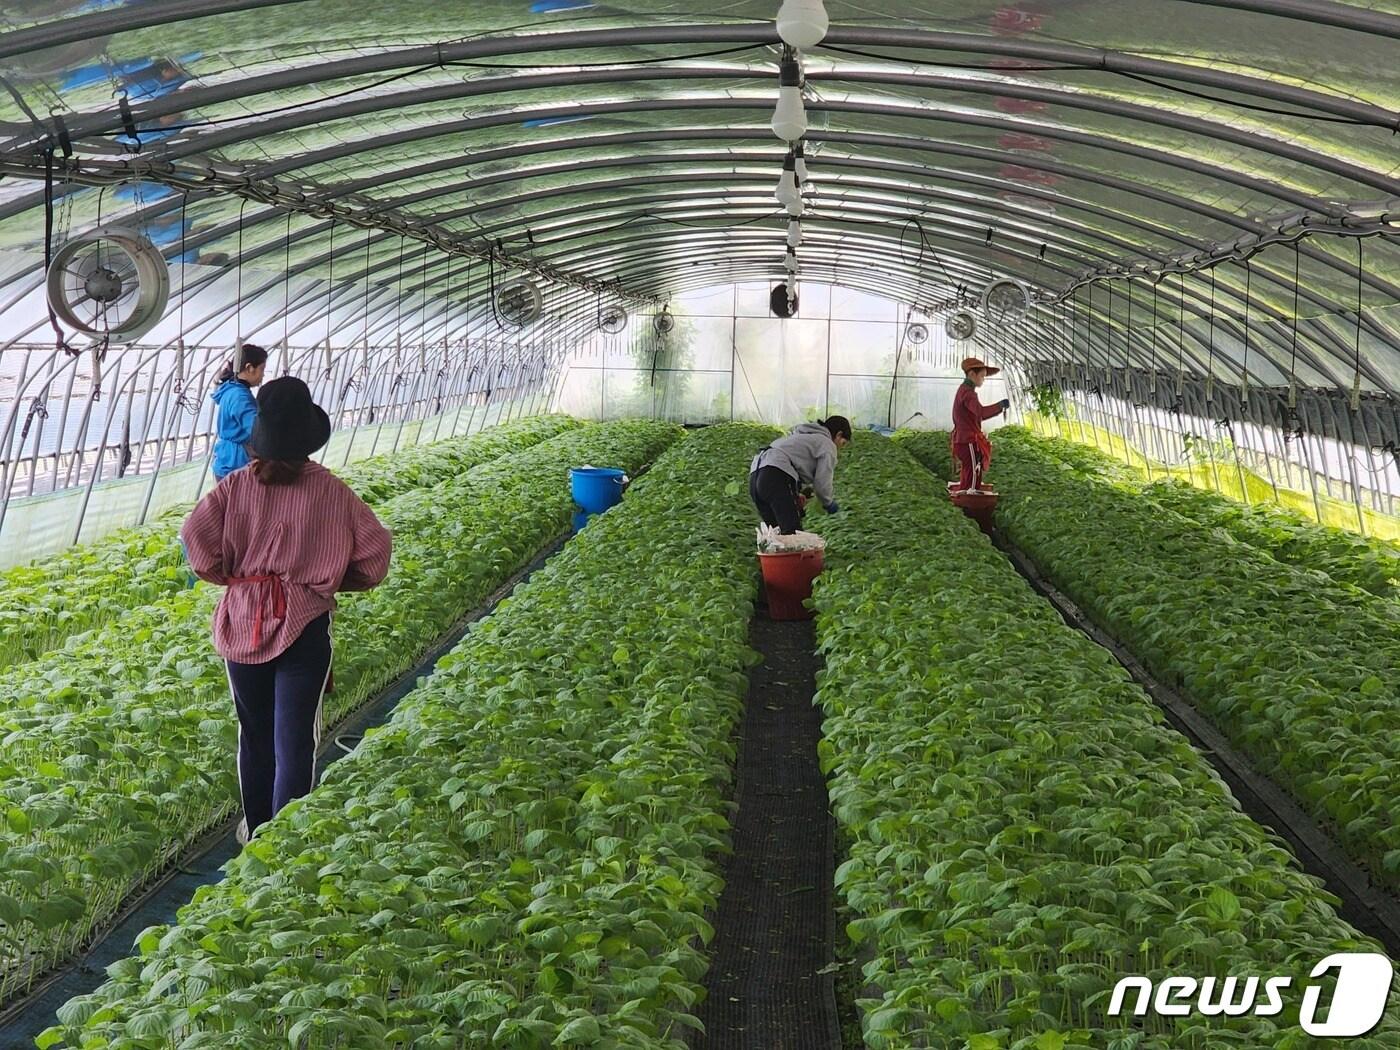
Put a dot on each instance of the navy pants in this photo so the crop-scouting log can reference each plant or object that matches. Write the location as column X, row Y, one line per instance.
column 774, row 492
column 279, row 721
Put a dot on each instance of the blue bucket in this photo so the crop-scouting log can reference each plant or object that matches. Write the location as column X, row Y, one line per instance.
column 581, row 519
column 595, row 489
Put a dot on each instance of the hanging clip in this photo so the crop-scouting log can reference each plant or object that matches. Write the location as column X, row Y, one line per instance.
column 37, row 410
column 129, row 123
column 60, row 127
column 1394, row 450
column 99, row 354
column 179, row 385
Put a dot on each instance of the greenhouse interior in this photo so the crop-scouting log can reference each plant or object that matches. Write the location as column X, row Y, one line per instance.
column 806, row 526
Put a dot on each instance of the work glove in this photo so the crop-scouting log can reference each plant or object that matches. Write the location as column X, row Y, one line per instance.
column 832, row 507
column 1006, row 404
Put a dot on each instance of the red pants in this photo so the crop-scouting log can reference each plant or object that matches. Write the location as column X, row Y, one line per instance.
column 972, row 462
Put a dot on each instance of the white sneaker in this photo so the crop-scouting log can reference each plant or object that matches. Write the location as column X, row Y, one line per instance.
column 241, row 833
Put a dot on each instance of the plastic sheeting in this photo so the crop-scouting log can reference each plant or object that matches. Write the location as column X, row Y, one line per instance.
column 44, row 524
column 288, row 162
column 848, row 353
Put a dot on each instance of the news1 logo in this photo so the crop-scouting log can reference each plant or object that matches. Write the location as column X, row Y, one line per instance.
column 1356, row 1005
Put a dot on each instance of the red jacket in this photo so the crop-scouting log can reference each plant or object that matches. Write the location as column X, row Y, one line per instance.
column 968, row 413
column 283, row 551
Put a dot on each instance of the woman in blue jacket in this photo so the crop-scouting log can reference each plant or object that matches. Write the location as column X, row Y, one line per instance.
column 237, row 410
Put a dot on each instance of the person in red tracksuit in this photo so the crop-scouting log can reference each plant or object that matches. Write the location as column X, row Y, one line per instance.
column 971, row 448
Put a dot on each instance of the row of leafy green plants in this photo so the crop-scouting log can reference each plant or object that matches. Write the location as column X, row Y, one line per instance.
column 524, row 856
column 1302, row 672
column 1023, row 829
column 1371, row 564
column 119, row 750
column 1299, row 665
column 45, row 603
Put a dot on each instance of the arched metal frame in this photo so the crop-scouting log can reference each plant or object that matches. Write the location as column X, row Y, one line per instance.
column 1065, row 168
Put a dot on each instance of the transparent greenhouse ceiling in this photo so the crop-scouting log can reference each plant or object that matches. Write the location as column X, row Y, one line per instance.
column 1181, row 207
column 645, row 525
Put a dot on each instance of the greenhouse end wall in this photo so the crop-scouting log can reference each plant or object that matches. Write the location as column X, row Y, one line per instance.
column 729, row 358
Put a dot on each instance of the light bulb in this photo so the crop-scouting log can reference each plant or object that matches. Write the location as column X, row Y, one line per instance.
column 802, row 23
column 794, row 237
column 787, row 189
column 795, row 208
column 801, row 168
column 790, row 118
column 790, row 262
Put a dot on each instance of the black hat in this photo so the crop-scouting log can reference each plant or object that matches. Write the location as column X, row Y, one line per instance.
column 290, row 426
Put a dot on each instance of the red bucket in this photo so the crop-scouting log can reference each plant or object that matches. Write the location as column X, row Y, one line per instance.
column 979, row 506
column 787, row 579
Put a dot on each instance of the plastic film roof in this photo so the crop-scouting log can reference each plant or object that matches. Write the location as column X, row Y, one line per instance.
column 625, row 148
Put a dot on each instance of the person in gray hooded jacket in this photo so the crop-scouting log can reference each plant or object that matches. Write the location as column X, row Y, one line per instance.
column 807, row 456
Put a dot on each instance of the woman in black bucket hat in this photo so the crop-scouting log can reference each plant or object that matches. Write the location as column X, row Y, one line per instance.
column 283, row 536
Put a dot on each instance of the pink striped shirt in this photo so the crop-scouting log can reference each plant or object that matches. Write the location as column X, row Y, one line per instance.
column 283, row 551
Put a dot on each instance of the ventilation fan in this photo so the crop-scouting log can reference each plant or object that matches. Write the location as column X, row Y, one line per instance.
column 781, row 302
column 112, row 283
column 1006, row 298
column 916, row 333
column 612, row 320
column 961, row 325
column 519, row 303
column 663, row 323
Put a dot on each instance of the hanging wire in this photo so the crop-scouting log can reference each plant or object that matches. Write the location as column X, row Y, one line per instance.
column 179, row 384
column 447, row 312
column 238, row 300
column 1128, row 329
column 1210, row 344
column 368, row 235
column 287, row 294
column 1180, row 343
column 330, row 281
column 398, row 305
column 1108, row 337
column 100, row 350
column 1360, row 290
column 1293, row 352
column 1152, row 381
column 1089, row 337
column 60, row 343
column 184, row 241
column 1244, row 368
column 423, row 319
